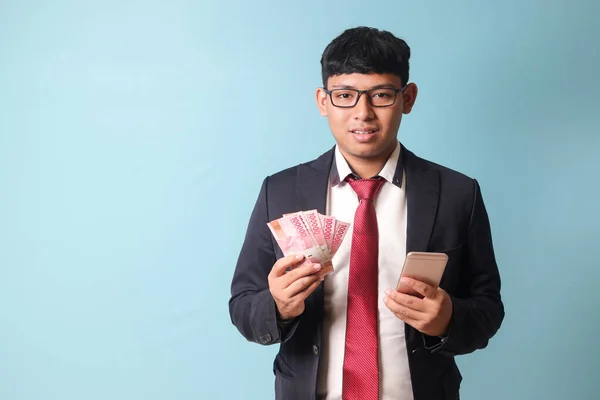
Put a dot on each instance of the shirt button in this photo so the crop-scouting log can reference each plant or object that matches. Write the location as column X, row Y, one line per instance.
column 316, row 350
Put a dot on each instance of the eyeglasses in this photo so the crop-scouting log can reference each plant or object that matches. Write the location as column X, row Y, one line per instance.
column 348, row 98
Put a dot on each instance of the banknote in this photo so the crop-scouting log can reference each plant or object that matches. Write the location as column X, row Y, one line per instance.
column 293, row 238
column 328, row 225
column 311, row 234
column 338, row 236
column 312, row 222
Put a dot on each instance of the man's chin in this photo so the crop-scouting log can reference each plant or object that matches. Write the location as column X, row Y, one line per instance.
column 370, row 152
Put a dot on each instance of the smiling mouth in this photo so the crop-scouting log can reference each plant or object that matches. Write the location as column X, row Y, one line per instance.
column 364, row 131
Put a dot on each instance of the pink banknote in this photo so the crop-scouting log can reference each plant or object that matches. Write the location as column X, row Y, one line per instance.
column 338, row 237
column 312, row 222
column 328, row 225
column 311, row 234
column 295, row 239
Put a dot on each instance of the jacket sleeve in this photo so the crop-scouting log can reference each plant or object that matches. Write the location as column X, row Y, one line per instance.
column 478, row 312
column 251, row 306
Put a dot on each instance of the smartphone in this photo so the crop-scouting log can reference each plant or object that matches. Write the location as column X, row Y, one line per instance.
column 425, row 267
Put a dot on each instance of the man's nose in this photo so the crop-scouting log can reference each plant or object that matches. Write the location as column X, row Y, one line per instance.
column 363, row 110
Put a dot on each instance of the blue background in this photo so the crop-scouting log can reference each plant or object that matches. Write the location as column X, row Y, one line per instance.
column 134, row 136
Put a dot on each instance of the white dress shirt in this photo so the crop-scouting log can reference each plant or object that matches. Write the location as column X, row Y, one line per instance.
column 390, row 207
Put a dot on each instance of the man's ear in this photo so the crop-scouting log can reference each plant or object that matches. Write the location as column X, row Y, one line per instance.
column 409, row 96
column 321, row 97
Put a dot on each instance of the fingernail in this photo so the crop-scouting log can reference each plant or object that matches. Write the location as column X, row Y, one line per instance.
column 299, row 257
column 317, row 266
column 388, row 292
column 405, row 280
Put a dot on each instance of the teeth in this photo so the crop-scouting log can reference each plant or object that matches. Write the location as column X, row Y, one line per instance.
column 363, row 132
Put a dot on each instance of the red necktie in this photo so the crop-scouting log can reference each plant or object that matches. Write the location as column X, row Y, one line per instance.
column 361, row 361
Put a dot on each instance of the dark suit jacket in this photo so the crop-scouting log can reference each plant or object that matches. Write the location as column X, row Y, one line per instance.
column 446, row 214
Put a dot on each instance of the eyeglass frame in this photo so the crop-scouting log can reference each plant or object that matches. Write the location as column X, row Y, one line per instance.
column 360, row 93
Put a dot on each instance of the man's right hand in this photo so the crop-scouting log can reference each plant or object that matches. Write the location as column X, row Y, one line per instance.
column 290, row 289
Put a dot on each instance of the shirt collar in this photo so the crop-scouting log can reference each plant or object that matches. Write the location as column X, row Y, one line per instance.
column 340, row 168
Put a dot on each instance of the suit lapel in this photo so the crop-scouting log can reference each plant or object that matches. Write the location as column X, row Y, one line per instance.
column 311, row 193
column 422, row 193
column 312, row 181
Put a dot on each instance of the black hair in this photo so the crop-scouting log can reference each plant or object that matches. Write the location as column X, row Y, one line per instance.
column 366, row 50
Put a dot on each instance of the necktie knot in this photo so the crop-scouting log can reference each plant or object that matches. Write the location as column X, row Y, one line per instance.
column 366, row 188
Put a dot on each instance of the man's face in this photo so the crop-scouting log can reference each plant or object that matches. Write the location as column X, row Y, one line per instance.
column 365, row 132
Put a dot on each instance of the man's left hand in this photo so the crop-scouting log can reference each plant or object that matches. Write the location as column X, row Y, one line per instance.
column 430, row 315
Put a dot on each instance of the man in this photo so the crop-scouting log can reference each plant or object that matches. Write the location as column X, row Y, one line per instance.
column 352, row 335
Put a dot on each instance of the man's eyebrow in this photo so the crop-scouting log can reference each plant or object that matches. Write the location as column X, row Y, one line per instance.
column 380, row 86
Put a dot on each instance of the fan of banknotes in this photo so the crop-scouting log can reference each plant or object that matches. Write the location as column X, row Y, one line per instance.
column 316, row 236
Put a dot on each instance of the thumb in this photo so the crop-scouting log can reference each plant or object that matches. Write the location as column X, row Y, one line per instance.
column 284, row 263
